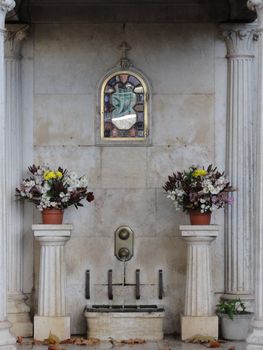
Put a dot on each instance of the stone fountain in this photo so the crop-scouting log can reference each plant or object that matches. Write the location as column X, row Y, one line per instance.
column 122, row 322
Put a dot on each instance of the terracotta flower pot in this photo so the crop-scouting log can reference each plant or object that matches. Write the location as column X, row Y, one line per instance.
column 52, row 216
column 198, row 218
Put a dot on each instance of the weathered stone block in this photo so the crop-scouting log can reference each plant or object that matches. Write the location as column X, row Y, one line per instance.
column 189, row 119
column 204, row 325
column 123, row 167
column 43, row 325
column 125, row 325
column 64, row 120
column 82, row 160
column 164, row 160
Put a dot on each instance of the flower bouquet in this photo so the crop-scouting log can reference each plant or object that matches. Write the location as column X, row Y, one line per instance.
column 199, row 191
column 54, row 190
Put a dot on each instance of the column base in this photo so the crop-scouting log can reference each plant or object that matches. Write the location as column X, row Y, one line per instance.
column 7, row 340
column 203, row 325
column 255, row 338
column 21, row 325
column 18, row 315
column 58, row 325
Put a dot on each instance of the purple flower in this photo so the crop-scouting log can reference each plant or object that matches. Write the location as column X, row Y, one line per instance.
column 230, row 200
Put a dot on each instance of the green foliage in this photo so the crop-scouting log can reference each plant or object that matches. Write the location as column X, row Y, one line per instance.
column 231, row 307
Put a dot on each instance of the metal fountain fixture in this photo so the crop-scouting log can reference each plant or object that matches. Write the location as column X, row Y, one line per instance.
column 124, row 251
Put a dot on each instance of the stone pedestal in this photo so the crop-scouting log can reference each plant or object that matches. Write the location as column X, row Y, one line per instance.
column 198, row 315
column 52, row 282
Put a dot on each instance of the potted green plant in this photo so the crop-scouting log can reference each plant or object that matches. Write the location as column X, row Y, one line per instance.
column 234, row 320
column 198, row 191
column 53, row 190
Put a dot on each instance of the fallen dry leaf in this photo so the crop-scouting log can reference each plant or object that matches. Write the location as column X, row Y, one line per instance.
column 19, row 339
column 67, row 341
column 92, row 341
column 133, row 341
column 214, row 344
column 78, row 341
column 52, row 339
column 81, row 341
column 200, row 339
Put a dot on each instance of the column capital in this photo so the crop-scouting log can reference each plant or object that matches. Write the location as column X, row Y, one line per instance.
column 5, row 6
column 52, row 230
column 15, row 34
column 239, row 38
column 257, row 5
column 199, row 230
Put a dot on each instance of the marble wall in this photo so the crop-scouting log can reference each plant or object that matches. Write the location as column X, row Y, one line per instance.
column 186, row 66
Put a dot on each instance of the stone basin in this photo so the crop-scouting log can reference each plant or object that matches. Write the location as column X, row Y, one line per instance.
column 125, row 322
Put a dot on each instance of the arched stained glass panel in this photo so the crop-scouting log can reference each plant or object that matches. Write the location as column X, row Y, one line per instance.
column 124, row 107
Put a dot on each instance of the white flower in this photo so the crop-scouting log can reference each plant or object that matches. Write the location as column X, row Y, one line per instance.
column 73, row 175
column 83, row 181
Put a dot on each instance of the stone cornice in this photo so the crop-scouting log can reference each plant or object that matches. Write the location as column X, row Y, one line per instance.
column 15, row 34
column 239, row 39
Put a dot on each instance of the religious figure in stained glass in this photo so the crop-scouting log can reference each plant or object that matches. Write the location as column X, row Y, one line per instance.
column 124, row 112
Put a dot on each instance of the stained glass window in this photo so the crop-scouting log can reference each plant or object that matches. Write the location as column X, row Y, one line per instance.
column 124, row 109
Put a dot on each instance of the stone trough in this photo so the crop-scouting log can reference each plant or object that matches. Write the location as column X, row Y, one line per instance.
column 125, row 322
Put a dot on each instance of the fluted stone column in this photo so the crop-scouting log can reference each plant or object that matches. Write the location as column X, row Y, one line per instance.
column 7, row 340
column 255, row 339
column 18, row 311
column 240, row 161
column 198, row 315
column 52, row 314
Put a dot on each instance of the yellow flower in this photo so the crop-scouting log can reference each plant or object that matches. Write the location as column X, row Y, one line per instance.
column 199, row 172
column 59, row 174
column 48, row 175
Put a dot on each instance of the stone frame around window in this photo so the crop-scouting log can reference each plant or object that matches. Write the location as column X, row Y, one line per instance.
column 124, row 141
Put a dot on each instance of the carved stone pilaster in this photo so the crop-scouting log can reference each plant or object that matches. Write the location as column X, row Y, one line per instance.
column 255, row 339
column 18, row 311
column 7, row 341
column 239, row 274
